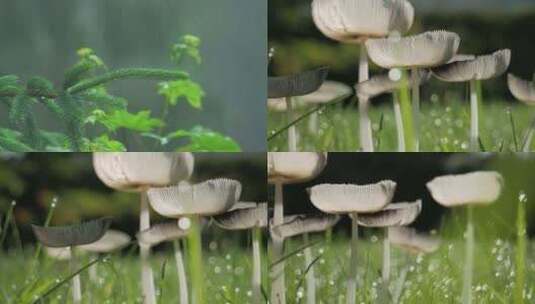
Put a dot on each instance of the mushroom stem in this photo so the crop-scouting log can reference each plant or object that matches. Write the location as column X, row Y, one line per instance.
column 416, row 106
column 149, row 294
column 195, row 261
column 76, row 285
column 310, row 277
column 474, row 119
column 406, row 113
column 93, row 276
column 257, row 272
column 399, row 123
column 386, row 259
column 278, row 295
column 292, row 131
column 313, row 123
column 520, row 256
column 469, row 259
column 181, row 273
column 365, row 125
column 529, row 136
column 352, row 276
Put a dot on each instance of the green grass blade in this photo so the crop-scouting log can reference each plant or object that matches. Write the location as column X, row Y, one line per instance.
column 296, row 251
column 7, row 220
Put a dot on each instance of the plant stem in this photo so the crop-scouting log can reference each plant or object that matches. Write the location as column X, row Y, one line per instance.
column 149, row 294
column 278, row 288
column 352, row 275
column 181, row 273
column 93, row 276
column 310, row 277
column 7, row 220
column 399, row 123
column 386, row 259
column 134, row 73
column 520, row 256
column 406, row 113
column 313, row 123
column 474, row 119
column 257, row 264
column 416, row 106
column 365, row 125
column 468, row 259
column 195, row 261
column 46, row 224
column 526, row 147
column 292, row 131
column 76, row 285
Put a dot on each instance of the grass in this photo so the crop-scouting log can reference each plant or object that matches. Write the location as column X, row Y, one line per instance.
column 444, row 128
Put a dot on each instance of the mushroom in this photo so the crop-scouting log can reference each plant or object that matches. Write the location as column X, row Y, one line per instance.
column 304, row 224
column 288, row 87
column 287, row 168
column 475, row 70
column 137, row 172
column 426, row 50
column 60, row 253
column 208, row 198
column 389, row 83
column 69, row 237
column 244, row 217
column 169, row 232
column 354, row 200
column 354, row 22
column 393, row 215
column 524, row 91
column 471, row 189
column 412, row 241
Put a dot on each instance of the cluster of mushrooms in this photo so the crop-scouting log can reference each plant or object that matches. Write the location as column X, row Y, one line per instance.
column 162, row 181
column 377, row 26
column 368, row 206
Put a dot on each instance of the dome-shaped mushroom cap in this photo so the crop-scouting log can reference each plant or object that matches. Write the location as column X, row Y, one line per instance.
column 428, row 49
column 294, row 167
column 476, row 188
column 521, row 89
column 327, row 92
column 73, row 235
column 353, row 21
column 59, row 253
column 297, row 84
column 381, row 84
column 349, row 198
column 299, row 224
column 211, row 197
column 412, row 241
column 112, row 240
column 163, row 232
column 480, row 68
column 399, row 214
column 138, row 171
column 243, row 218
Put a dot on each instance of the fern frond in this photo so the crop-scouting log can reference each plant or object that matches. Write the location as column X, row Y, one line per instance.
column 9, row 86
column 73, row 116
column 40, row 87
column 99, row 99
column 21, row 118
column 78, row 72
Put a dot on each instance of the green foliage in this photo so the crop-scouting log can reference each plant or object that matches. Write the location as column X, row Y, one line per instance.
column 187, row 46
column 200, row 140
column 190, row 90
column 141, row 122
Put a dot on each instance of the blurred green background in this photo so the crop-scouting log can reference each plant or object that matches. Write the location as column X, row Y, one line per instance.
column 41, row 38
column 33, row 179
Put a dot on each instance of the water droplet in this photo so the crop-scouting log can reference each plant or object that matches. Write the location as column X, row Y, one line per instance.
column 522, row 197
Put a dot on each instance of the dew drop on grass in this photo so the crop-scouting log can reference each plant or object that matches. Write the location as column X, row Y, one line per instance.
column 212, row 246
column 522, row 197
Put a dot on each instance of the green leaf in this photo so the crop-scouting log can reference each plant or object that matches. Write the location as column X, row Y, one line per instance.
column 84, row 68
column 104, row 144
column 141, row 122
column 188, row 45
column 9, row 141
column 190, row 90
column 55, row 141
column 206, row 140
column 40, row 87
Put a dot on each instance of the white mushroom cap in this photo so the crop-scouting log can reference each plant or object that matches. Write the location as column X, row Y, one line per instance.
column 399, row 214
column 428, row 49
column 413, row 241
column 112, row 240
column 72, row 235
column 163, row 232
column 138, row 171
column 381, row 84
column 58, row 253
column 349, row 198
column 327, row 92
column 294, row 167
column 243, row 218
column 476, row 188
column 300, row 224
column 480, row 68
column 211, row 197
column 298, row 84
column 461, row 57
column 353, row 21
column 521, row 89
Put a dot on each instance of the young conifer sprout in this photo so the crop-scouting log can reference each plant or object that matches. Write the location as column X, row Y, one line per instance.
column 524, row 91
column 353, row 200
column 208, row 198
column 70, row 237
column 473, row 71
column 244, row 216
column 473, row 189
column 393, row 215
column 288, row 87
column 137, row 172
column 426, row 50
column 355, row 21
column 287, row 168
column 303, row 225
column 169, row 232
